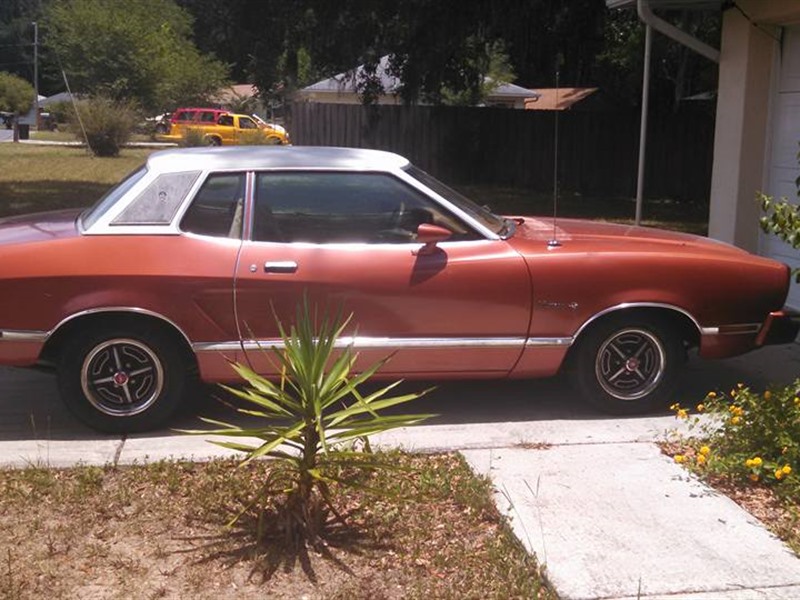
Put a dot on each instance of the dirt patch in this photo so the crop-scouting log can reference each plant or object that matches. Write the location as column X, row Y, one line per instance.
column 159, row 531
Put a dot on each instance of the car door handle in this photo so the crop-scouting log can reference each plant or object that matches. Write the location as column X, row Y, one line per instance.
column 281, row 266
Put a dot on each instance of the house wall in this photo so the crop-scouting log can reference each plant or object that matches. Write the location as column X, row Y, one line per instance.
column 740, row 141
column 753, row 55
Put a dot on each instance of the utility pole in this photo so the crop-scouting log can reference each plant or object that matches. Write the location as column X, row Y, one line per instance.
column 36, row 74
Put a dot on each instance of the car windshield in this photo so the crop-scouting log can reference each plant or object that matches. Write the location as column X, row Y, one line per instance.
column 90, row 216
column 502, row 227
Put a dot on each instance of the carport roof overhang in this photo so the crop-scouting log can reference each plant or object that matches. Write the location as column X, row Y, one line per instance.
column 648, row 17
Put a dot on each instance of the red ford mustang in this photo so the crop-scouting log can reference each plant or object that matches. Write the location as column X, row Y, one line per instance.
column 177, row 269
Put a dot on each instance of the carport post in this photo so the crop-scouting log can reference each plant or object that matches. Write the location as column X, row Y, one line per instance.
column 648, row 42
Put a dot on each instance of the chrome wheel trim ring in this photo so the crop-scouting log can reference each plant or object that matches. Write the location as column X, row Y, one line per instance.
column 630, row 364
column 122, row 377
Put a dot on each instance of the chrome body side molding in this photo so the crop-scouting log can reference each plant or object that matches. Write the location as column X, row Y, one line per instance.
column 366, row 342
column 13, row 335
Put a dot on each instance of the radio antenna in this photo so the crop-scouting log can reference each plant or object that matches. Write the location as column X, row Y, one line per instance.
column 554, row 243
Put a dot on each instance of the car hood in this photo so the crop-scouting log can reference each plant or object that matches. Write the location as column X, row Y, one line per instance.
column 39, row 227
column 592, row 236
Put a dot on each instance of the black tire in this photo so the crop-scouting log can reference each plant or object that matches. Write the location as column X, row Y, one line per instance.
column 213, row 141
column 121, row 381
column 627, row 367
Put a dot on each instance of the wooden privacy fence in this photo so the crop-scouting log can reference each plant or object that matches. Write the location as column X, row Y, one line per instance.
column 598, row 151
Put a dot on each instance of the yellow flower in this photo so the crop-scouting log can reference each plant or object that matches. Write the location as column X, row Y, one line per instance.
column 753, row 477
column 757, row 462
column 767, row 395
column 748, row 463
column 701, row 407
column 675, row 406
column 682, row 414
column 705, row 450
column 736, row 420
column 787, row 470
column 797, row 401
column 701, row 459
column 711, row 395
column 779, row 474
column 740, row 385
column 680, row 458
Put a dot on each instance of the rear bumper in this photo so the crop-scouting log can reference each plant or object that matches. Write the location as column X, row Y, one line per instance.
column 780, row 327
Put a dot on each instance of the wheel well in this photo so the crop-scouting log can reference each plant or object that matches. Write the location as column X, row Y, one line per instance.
column 107, row 320
column 673, row 319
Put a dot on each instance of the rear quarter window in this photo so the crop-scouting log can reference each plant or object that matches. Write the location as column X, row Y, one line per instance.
column 159, row 202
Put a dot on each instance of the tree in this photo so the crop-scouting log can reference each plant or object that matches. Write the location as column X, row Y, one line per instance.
column 147, row 55
column 16, row 96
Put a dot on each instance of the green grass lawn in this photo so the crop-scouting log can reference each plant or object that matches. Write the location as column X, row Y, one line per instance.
column 38, row 178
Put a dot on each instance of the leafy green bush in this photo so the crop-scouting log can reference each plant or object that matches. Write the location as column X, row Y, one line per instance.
column 749, row 436
column 313, row 419
column 16, row 94
column 104, row 125
column 62, row 112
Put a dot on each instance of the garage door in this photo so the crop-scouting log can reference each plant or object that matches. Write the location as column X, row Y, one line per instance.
column 783, row 165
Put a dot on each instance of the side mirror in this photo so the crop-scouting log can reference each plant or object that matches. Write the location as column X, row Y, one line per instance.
column 430, row 235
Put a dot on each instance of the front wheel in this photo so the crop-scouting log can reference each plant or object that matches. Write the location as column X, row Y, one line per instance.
column 628, row 367
column 121, row 381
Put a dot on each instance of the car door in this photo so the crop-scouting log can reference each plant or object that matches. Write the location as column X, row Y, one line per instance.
column 347, row 241
column 243, row 125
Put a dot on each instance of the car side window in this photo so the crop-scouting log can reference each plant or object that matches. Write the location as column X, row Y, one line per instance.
column 159, row 202
column 225, row 120
column 217, row 208
column 247, row 123
column 207, row 116
column 336, row 207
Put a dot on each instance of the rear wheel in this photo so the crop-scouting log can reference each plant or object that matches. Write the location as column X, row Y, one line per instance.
column 122, row 381
column 213, row 141
column 629, row 367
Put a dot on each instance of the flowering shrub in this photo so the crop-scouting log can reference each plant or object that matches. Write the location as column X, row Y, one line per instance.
column 747, row 435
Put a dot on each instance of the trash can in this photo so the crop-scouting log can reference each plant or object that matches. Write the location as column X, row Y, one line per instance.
column 24, row 131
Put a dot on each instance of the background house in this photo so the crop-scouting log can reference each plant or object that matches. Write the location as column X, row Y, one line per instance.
column 342, row 89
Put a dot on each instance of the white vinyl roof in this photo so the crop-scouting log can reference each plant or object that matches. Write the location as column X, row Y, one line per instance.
column 273, row 157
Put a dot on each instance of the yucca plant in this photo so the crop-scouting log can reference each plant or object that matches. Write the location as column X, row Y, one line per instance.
column 314, row 415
